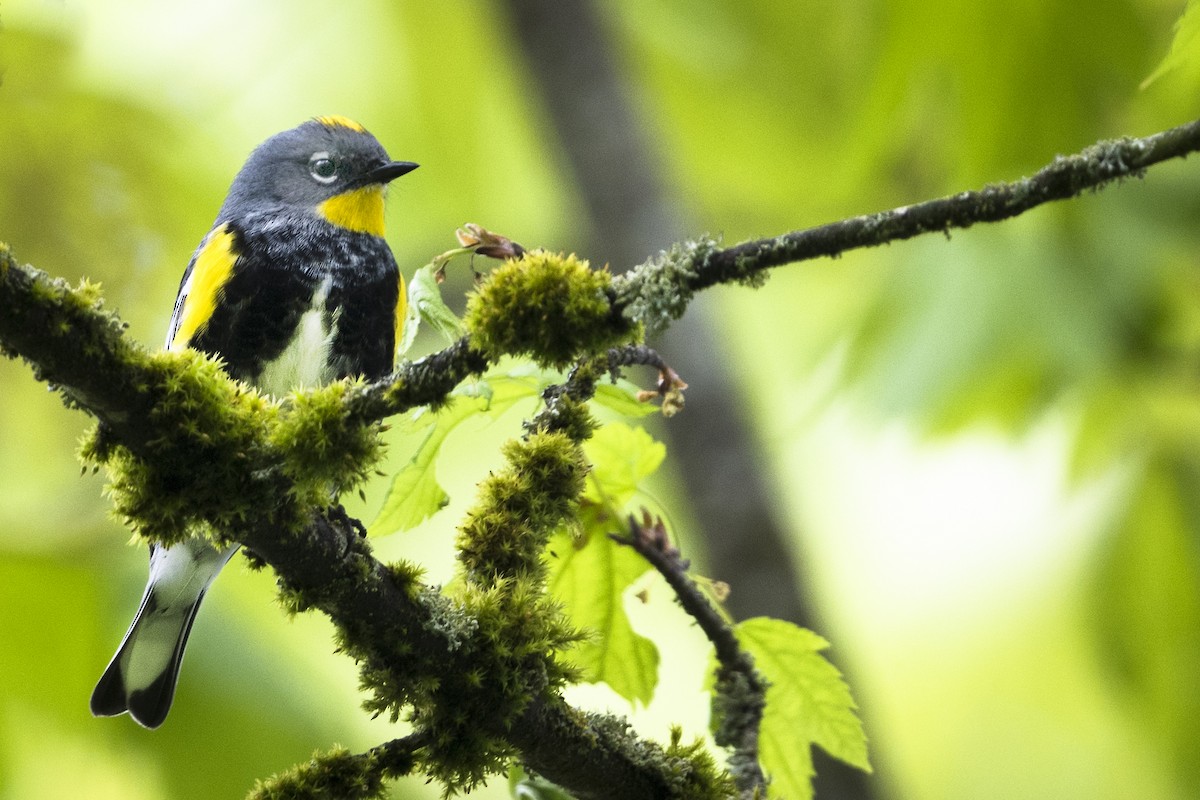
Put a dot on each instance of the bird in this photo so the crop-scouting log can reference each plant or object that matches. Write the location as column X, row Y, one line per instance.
column 293, row 287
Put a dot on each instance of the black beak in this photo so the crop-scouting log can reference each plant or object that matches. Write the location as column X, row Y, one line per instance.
column 389, row 172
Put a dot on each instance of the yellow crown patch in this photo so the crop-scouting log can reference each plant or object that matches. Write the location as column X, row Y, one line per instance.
column 338, row 121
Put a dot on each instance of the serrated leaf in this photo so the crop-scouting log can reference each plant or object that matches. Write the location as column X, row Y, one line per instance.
column 1185, row 46
column 808, row 703
column 415, row 495
column 589, row 572
column 589, row 575
column 425, row 304
column 622, row 457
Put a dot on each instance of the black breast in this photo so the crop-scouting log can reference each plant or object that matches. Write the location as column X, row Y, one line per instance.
column 278, row 270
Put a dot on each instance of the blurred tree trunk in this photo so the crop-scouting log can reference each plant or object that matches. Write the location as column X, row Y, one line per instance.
column 570, row 58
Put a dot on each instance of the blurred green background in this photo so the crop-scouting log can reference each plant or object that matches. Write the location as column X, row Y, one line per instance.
column 971, row 463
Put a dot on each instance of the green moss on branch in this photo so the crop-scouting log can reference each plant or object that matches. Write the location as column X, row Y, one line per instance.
column 552, row 308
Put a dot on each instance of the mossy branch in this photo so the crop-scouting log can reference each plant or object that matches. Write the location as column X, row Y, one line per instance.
column 161, row 414
column 71, row 342
column 344, row 775
column 407, row 636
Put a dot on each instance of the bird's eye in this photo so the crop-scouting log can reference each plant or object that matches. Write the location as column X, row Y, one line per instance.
column 322, row 168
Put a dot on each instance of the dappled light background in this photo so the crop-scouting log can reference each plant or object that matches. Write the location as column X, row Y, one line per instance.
column 970, row 462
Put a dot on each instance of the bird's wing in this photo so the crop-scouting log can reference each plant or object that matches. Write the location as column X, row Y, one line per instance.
column 209, row 270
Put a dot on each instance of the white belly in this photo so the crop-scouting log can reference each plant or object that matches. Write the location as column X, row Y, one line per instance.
column 304, row 363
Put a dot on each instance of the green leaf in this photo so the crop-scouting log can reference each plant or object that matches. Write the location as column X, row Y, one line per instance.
column 425, row 303
column 621, row 398
column 807, row 703
column 415, row 493
column 589, row 575
column 589, row 572
column 622, row 457
column 1184, row 47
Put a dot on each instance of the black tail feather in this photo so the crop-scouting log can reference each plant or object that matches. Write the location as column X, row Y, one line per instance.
column 148, row 705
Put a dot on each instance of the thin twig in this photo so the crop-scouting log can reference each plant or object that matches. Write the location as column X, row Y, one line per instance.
column 660, row 289
column 635, row 355
column 580, row 385
column 1065, row 177
column 739, row 726
column 670, row 386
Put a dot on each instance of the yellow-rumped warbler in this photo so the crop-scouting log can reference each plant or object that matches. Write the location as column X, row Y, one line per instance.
column 293, row 287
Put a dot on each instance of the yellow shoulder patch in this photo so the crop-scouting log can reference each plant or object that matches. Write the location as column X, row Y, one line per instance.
column 358, row 210
column 338, row 121
column 214, row 265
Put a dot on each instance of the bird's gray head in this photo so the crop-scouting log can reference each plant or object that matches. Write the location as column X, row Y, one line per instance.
column 328, row 166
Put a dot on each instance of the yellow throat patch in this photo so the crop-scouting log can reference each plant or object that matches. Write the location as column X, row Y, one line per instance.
column 358, row 210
